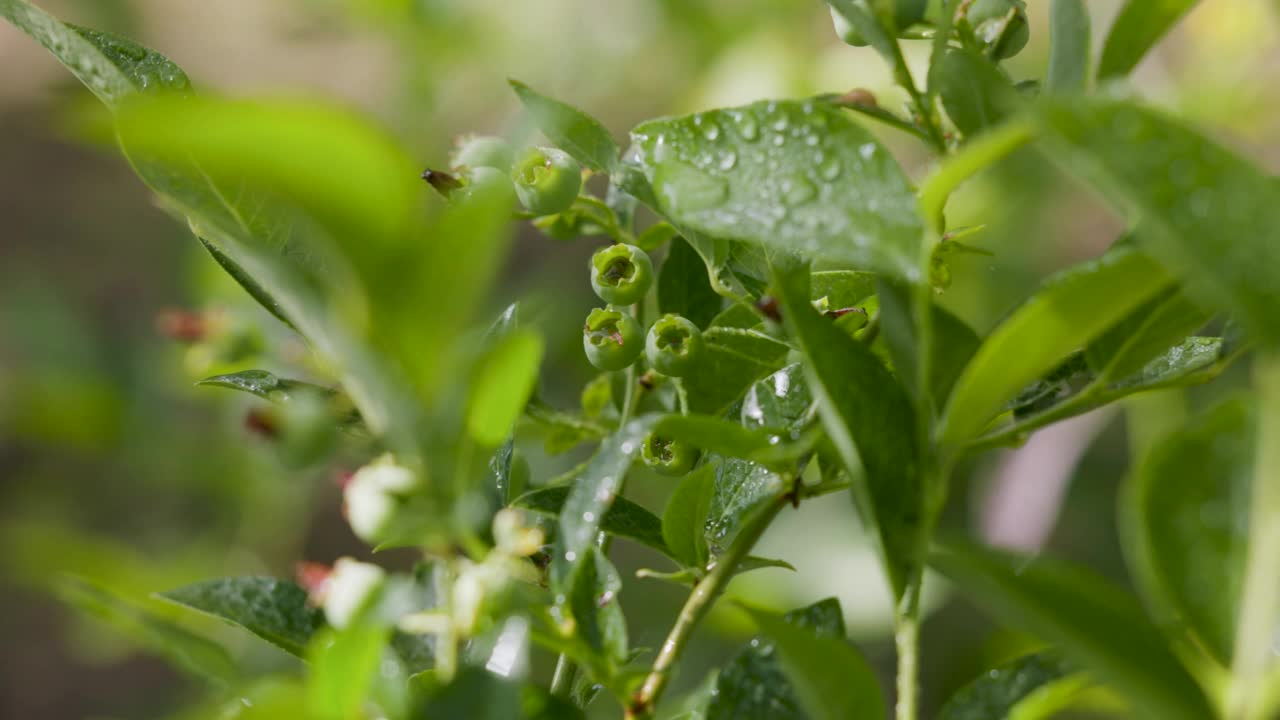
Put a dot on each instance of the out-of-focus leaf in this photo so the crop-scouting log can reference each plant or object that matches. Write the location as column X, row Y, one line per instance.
column 275, row 610
column 1094, row 623
column 873, row 20
column 952, row 343
column 843, row 288
column 572, row 130
column 829, row 678
column 685, row 516
column 753, row 686
column 624, row 518
column 1138, row 27
column 246, row 281
column 787, row 175
column 683, row 287
column 344, row 665
column 719, row 436
column 477, row 694
column 193, row 653
column 974, row 92
column 565, row 430
column 501, row 385
column 1188, row 512
column 997, row 694
column 869, row 419
column 1071, row 309
column 734, row 359
column 1070, row 45
column 1147, row 333
column 1206, row 213
column 593, row 600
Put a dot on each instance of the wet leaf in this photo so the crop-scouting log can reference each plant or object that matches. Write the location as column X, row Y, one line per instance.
column 997, row 693
column 572, row 130
column 275, row 610
column 623, row 519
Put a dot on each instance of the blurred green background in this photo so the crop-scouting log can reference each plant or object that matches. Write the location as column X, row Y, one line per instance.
column 114, row 467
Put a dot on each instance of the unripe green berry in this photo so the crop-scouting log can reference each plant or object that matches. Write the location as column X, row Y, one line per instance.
column 987, row 18
column 673, row 345
column 621, row 274
column 668, row 456
column 487, row 151
column 612, row 339
column 547, row 180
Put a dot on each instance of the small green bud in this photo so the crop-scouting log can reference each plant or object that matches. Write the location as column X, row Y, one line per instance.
column 673, row 345
column 621, row 274
column 351, row 591
column 547, row 180
column 477, row 151
column 612, row 339
column 988, row 20
column 668, row 456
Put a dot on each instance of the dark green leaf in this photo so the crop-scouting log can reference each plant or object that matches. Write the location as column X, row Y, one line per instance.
column 1094, row 623
column 593, row 600
column 683, row 288
column 829, row 678
column 1138, row 27
column 741, row 489
column 719, row 436
column 572, row 130
column 623, row 519
column 685, row 516
column 1070, row 47
column 158, row 634
column 788, row 175
column 1147, row 333
column 869, row 419
column 974, row 92
column 952, row 344
column 753, row 686
column 274, row 610
column 1201, row 210
column 780, row 402
column 1188, row 510
column 997, row 693
column 1071, row 309
column 734, row 359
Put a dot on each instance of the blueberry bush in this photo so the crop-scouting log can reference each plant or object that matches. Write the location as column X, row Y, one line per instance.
column 768, row 331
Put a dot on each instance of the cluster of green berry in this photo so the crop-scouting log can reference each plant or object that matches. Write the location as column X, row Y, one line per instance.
column 613, row 339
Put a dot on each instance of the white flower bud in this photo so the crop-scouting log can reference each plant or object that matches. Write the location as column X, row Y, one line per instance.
column 389, row 476
column 373, row 496
column 351, row 590
column 513, row 536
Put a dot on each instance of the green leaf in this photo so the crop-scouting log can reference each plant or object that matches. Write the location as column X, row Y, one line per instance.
column 734, row 359
column 997, row 694
column 1187, row 508
column 1070, row 46
column 740, row 490
column 753, row 686
column 721, row 436
column 274, row 610
column 246, row 281
column 831, row 680
column 344, row 666
column 565, row 430
column 794, row 176
column 1148, row 332
column 502, row 384
column 1206, row 213
column 1094, row 623
column 952, row 344
column 974, row 92
column 685, row 516
column 624, row 518
column 591, row 496
column 869, row 419
column 842, row 288
column 265, row 385
column 683, row 288
column 1138, row 27
column 572, row 130
column 780, row 402
column 1070, row 309
column 873, row 20
column 158, row 634
column 593, row 600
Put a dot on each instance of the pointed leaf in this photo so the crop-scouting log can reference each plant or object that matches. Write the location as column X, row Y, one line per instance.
column 1138, row 27
column 593, row 600
column 974, row 92
column 572, row 130
column 274, row 610
column 869, row 419
column 997, row 694
column 753, row 686
column 734, row 359
column 1094, row 623
column 831, row 680
column 685, row 516
column 1071, row 309
column 1070, row 47
column 786, row 175
column 501, row 385
column 683, row 288
column 1204, row 212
